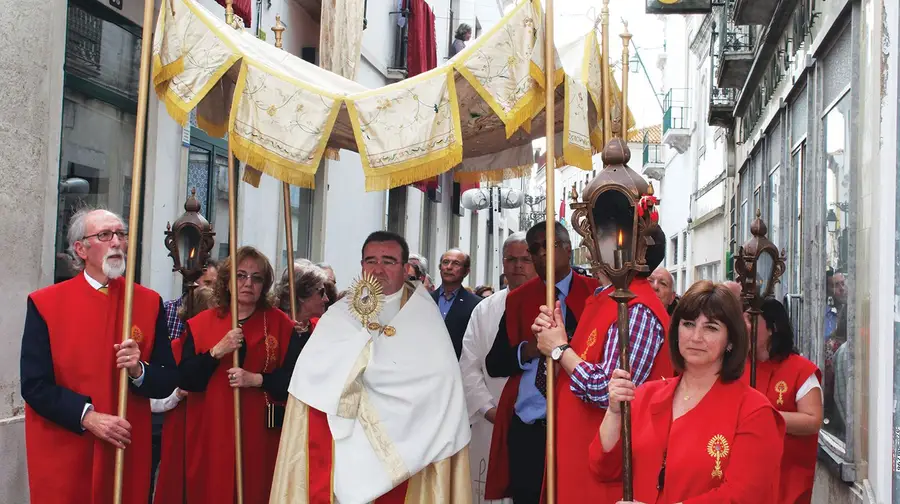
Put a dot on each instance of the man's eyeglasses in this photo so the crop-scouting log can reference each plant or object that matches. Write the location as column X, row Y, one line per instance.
column 255, row 279
column 384, row 261
column 106, row 236
column 536, row 247
column 518, row 259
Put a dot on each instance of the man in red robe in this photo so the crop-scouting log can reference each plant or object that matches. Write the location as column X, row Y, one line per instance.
column 516, row 464
column 71, row 431
column 589, row 359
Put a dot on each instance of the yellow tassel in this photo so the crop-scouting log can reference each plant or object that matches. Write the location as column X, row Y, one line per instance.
column 332, row 154
column 252, row 176
column 574, row 156
column 418, row 173
column 162, row 74
column 175, row 111
column 492, row 176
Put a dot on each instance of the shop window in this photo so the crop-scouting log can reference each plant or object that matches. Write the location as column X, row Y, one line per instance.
column 837, row 334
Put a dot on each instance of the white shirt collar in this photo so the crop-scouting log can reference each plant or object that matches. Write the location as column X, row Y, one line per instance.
column 93, row 283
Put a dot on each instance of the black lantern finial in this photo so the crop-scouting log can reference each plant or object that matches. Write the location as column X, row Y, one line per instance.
column 190, row 240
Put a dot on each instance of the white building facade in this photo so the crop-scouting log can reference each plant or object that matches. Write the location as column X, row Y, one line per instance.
column 68, row 123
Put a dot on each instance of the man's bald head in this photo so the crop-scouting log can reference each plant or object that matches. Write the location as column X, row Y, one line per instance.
column 734, row 287
column 663, row 284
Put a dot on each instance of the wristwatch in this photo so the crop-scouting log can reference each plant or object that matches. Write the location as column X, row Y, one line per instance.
column 557, row 352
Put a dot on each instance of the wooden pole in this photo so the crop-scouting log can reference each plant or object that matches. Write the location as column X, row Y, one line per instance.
column 607, row 90
column 286, row 196
column 137, row 173
column 232, row 287
column 550, row 236
column 626, row 40
column 754, row 326
column 622, row 298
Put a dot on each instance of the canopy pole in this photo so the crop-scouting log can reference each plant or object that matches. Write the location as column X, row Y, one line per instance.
column 626, row 40
column 550, row 236
column 232, row 287
column 137, row 173
column 607, row 90
column 278, row 29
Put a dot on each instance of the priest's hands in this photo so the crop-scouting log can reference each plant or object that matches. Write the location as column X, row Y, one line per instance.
column 549, row 329
column 110, row 428
column 232, row 340
column 240, row 378
column 128, row 356
column 621, row 388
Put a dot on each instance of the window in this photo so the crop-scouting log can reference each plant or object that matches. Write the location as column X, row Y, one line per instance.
column 301, row 226
column 838, row 339
column 208, row 174
column 98, row 122
column 773, row 212
column 708, row 271
column 397, row 210
column 684, row 246
column 795, row 261
column 674, row 249
column 675, row 281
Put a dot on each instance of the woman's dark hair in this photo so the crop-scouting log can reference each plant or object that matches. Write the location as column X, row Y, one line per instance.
column 481, row 289
column 718, row 303
column 222, row 296
column 462, row 30
column 777, row 320
column 201, row 300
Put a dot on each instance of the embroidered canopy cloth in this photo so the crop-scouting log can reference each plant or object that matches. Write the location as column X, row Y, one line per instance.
column 478, row 112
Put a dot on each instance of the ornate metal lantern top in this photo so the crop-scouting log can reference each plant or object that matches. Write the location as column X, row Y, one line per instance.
column 615, row 215
column 758, row 264
column 190, row 236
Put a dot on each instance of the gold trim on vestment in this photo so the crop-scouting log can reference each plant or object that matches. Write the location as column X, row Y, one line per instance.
column 348, row 406
column 381, row 443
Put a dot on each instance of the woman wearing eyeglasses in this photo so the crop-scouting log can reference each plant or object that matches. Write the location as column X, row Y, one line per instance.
column 792, row 384
column 267, row 347
column 705, row 436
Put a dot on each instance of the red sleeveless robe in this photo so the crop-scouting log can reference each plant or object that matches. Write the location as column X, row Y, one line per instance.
column 780, row 381
column 170, row 479
column 577, row 421
column 84, row 324
column 522, row 307
column 210, row 455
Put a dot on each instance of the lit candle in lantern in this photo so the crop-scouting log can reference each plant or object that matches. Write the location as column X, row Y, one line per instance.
column 191, row 255
column 617, row 256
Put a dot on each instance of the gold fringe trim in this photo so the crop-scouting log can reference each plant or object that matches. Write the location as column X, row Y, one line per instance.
column 521, row 113
column 597, row 139
column 270, row 164
column 252, row 176
column 332, row 154
column 162, row 74
column 575, row 156
column 176, row 110
column 426, row 170
column 212, row 129
column 492, row 176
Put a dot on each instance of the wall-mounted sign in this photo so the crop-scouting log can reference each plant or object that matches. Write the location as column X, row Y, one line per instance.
column 117, row 4
column 678, row 6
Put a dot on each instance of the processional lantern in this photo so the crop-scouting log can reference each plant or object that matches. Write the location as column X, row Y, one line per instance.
column 615, row 219
column 759, row 266
column 190, row 240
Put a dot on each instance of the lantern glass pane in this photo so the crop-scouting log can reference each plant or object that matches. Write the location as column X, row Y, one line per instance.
column 613, row 225
column 188, row 238
column 765, row 268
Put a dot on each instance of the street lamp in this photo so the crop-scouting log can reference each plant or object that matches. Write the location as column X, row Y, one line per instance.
column 759, row 267
column 614, row 218
column 192, row 237
column 831, row 221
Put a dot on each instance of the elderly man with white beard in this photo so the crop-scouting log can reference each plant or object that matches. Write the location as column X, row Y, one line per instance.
column 71, row 356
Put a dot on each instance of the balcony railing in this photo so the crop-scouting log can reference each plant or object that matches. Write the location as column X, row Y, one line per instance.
column 736, row 45
column 721, row 107
column 653, row 154
column 676, row 120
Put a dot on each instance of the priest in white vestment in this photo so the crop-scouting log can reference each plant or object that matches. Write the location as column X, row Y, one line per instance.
column 376, row 410
column 483, row 391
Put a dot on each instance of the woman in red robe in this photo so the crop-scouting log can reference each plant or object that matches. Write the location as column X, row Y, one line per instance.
column 792, row 384
column 268, row 348
column 704, row 436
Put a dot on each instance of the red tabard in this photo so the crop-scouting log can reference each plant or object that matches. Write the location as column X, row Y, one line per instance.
column 780, row 381
column 170, row 480
column 522, row 307
column 578, row 421
column 210, row 420
column 84, row 324
column 726, row 449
